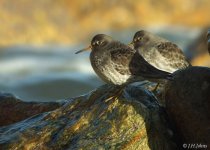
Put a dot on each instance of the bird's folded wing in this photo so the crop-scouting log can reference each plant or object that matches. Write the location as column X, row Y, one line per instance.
column 173, row 54
column 140, row 67
column 121, row 58
column 129, row 62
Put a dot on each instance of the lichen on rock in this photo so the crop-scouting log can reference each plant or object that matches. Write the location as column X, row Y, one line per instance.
column 133, row 120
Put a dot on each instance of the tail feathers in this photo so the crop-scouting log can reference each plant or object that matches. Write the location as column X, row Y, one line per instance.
column 165, row 75
column 157, row 74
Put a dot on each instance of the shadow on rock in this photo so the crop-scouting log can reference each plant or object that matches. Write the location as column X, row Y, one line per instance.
column 188, row 103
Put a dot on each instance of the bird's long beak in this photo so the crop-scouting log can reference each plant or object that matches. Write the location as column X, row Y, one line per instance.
column 85, row 49
column 131, row 44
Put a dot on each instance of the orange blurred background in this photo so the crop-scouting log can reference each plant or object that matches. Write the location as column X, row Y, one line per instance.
column 68, row 22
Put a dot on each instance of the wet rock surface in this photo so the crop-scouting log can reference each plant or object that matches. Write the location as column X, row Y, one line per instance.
column 13, row 109
column 134, row 120
column 188, row 102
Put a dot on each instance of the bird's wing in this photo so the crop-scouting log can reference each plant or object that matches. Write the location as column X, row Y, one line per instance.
column 173, row 54
column 127, row 61
column 140, row 67
column 121, row 56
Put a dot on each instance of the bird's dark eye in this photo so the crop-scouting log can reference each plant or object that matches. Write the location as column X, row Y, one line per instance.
column 139, row 38
column 97, row 43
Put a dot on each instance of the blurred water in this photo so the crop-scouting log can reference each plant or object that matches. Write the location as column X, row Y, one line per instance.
column 53, row 72
column 45, row 73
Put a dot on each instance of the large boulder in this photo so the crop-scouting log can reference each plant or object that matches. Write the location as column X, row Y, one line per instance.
column 133, row 120
column 188, row 105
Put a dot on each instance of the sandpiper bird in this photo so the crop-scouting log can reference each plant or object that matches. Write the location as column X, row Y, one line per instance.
column 118, row 64
column 159, row 52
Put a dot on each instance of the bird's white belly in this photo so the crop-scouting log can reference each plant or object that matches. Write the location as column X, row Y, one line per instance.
column 106, row 71
column 114, row 77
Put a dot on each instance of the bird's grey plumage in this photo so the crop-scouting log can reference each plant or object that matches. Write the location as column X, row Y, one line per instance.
column 159, row 52
column 118, row 64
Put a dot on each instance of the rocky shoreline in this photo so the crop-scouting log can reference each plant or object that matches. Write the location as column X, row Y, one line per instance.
column 134, row 120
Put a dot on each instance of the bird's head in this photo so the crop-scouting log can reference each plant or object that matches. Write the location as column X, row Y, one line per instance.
column 99, row 41
column 140, row 38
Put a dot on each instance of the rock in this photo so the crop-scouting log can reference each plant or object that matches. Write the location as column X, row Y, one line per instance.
column 13, row 110
column 188, row 104
column 159, row 92
column 132, row 121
